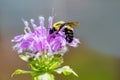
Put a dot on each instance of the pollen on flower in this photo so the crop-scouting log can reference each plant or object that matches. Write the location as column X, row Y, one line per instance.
column 40, row 41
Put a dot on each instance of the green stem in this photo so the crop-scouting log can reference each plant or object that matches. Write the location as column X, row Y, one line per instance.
column 45, row 76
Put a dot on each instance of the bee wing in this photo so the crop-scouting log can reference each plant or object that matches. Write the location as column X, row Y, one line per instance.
column 72, row 24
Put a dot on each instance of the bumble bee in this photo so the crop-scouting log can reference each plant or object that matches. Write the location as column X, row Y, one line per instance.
column 68, row 29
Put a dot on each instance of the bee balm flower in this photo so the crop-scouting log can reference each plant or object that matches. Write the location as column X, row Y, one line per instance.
column 40, row 41
column 39, row 47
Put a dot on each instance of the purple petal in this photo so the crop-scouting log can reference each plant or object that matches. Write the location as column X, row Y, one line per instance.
column 25, row 44
column 41, row 21
column 75, row 42
column 25, row 23
column 27, row 28
column 16, row 46
column 17, row 38
column 33, row 25
column 28, row 36
column 50, row 20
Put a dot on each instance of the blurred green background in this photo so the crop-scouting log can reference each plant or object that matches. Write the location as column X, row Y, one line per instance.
column 97, row 58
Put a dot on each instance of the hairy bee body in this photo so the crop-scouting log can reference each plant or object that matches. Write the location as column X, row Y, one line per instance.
column 69, row 35
column 68, row 29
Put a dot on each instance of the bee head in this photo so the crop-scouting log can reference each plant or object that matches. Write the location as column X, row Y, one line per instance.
column 58, row 25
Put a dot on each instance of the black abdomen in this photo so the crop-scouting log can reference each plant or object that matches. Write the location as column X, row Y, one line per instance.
column 69, row 35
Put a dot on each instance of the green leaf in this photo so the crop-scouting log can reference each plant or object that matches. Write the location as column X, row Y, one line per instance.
column 66, row 70
column 24, row 58
column 55, row 62
column 45, row 64
column 45, row 76
column 19, row 71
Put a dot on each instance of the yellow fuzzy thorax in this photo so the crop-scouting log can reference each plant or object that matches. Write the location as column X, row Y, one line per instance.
column 59, row 23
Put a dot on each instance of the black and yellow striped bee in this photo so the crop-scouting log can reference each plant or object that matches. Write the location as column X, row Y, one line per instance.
column 68, row 29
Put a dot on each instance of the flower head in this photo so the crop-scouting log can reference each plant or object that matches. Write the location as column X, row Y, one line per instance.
column 39, row 47
column 40, row 41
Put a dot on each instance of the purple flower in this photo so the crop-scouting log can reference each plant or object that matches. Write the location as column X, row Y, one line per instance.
column 40, row 41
